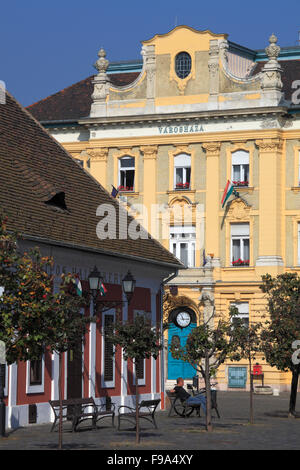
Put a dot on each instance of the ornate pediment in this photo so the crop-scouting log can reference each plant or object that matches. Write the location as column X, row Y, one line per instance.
column 239, row 210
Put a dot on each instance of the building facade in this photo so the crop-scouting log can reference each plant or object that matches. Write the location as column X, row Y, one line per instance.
column 55, row 205
column 169, row 132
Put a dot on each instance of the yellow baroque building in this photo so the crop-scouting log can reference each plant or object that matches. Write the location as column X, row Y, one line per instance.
column 169, row 131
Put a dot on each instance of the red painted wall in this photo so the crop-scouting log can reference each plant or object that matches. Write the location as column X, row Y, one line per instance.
column 140, row 301
column 22, row 397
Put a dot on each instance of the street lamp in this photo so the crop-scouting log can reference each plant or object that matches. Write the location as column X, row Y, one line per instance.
column 128, row 284
column 96, row 280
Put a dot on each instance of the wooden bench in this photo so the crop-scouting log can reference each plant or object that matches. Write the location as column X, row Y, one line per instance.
column 172, row 398
column 183, row 409
column 80, row 409
column 130, row 415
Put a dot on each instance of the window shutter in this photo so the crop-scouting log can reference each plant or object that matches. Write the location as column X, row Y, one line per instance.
column 139, row 368
column 108, row 349
column 182, row 160
column 240, row 157
column 239, row 230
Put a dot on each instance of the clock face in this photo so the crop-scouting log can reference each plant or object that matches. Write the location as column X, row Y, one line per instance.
column 183, row 319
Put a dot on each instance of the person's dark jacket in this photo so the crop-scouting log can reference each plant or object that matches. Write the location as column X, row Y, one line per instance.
column 181, row 393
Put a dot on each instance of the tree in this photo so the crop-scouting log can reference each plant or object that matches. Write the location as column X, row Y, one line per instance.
column 33, row 317
column 206, row 349
column 139, row 341
column 65, row 327
column 283, row 326
column 248, row 345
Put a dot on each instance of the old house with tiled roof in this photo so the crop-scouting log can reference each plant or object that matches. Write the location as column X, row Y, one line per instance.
column 59, row 207
column 198, row 117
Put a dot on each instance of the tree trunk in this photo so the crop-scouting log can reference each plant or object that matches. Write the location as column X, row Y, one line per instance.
column 293, row 395
column 60, row 402
column 209, row 427
column 251, row 392
column 137, row 434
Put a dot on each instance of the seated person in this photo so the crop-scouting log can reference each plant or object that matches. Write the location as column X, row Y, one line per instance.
column 182, row 394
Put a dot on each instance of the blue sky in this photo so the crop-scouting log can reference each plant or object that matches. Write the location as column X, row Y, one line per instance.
column 46, row 46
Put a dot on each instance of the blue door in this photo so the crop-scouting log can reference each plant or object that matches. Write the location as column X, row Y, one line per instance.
column 237, row 377
column 176, row 367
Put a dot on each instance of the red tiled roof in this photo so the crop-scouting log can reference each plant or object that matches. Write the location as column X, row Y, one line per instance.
column 75, row 101
column 34, row 167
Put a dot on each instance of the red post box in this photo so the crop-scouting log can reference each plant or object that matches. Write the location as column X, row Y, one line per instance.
column 257, row 369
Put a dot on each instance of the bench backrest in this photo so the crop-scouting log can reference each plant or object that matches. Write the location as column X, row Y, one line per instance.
column 149, row 404
column 72, row 401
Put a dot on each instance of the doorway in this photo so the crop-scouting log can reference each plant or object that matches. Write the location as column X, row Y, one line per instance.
column 74, row 373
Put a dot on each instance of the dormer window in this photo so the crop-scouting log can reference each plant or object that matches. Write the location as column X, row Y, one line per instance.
column 183, row 64
column 58, row 203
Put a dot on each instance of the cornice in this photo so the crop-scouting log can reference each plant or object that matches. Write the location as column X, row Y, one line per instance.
column 181, row 117
column 182, row 139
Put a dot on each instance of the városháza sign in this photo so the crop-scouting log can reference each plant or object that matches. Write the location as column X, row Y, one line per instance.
column 183, row 129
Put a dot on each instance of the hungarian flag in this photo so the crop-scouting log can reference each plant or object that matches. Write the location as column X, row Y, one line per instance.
column 227, row 192
column 102, row 289
column 78, row 286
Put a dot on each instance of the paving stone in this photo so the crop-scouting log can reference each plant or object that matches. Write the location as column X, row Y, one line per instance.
column 272, row 430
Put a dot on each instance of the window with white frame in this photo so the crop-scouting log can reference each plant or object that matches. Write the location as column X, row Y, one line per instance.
column 240, row 255
column 240, row 168
column 243, row 309
column 35, row 376
column 108, row 358
column 182, row 171
column 183, row 244
column 126, row 173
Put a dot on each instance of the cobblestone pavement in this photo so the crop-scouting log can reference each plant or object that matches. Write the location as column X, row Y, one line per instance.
column 272, row 430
